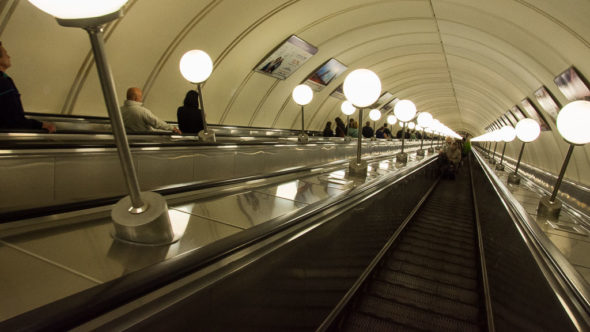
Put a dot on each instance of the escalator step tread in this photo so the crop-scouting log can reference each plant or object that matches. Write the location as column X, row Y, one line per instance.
column 425, row 301
column 427, row 273
column 439, row 239
column 413, row 317
column 434, row 264
column 450, row 292
column 433, row 254
column 437, row 246
column 359, row 321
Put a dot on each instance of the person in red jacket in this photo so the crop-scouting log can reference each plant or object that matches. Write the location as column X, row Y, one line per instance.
column 12, row 115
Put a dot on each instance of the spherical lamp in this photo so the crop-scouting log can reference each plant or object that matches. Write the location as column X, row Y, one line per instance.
column 196, row 66
column 391, row 119
column 527, row 130
column 78, row 9
column 362, row 87
column 508, row 133
column 404, row 110
column 347, row 107
column 573, row 122
column 375, row 114
column 425, row 119
column 302, row 95
column 411, row 125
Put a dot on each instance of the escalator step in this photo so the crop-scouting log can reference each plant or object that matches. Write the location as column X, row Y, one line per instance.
column 428, row 286
column 430, row 274
column 413, row 317
column 425, row 301
column 438, row 246
column 359, row 321
column 433, row 254
column 434, row 264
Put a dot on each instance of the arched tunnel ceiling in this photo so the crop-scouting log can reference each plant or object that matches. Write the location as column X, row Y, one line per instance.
column 465, row 61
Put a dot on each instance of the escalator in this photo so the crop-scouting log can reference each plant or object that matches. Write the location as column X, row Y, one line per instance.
column 429, row 279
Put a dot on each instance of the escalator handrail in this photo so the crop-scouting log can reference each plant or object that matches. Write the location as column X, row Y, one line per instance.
column 567, row 284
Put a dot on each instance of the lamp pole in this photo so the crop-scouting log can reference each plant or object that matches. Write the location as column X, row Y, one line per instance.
column 500, row 166
column 493, row 159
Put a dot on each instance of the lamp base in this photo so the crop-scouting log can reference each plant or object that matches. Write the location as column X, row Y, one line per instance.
column 347, row 138
column 151, row 227
column 499, row 167
column 373, row 138
column 548, row 209
column 401, row 159
column 421, row 152
column 493, row 161
column 357, row 170
column 303, row 138
column 514, row 179
column 207, row 136
column 430, row 150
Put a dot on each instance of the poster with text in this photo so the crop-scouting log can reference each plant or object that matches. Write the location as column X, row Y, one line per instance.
column 325, row 74
column 572, row 84
column 534, row 114
column 287, row 58
column 547, row 102
column 338, row 93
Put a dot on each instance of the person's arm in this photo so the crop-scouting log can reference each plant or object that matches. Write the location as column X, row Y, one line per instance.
column 153, row 121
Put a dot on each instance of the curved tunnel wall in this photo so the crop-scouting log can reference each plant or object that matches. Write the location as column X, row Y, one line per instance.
column 465, row 61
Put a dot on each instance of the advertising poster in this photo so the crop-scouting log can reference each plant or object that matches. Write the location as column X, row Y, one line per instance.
column 385, row 97
column 513, row 120
column 517, row 112
column 287, row 58
column 535, row 114
column 572, row 84
column 389, row 106
column 548, row 102
column 338, row 93
column 325, row 74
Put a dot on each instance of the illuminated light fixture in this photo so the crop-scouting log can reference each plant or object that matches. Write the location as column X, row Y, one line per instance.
column 424, row 120
column 527, row 130
column 375, row 115
column 362, row 87
column 404, row 110
column 302, row 95
column 573, row 122
column 411, row 125
column 508, row 134
column 347, row 108
column 495, row 137
column 196, row 67
column 141, row 217
column 391, row 119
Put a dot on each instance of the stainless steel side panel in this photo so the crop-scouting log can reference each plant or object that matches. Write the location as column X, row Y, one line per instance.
column 26, row 181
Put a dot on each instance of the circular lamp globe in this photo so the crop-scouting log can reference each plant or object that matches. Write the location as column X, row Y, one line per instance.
column 424, row 119
column 362, row 87
column 347, row 107
column 78, row 9
column 419, row 128
column 497, row 137
column 411, row 125
column 527, row 130
column 391, row 119
column 196, row 66
column 573, row 122
column 404, row 110
column 508, row 134
column 375, row 114
column 302, row 94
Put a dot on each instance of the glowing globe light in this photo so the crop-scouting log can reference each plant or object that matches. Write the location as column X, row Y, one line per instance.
column 391, row 119
column 425, row 119
column 302, row 94
column 527, row 130
column 362, row 87
column 78, row 9
column 411, row 125
column 347, row 107
column 196, row 66
column 508, row 134
column 419, row 128
column 404, row 110
column 573, row 122
column 375, row 114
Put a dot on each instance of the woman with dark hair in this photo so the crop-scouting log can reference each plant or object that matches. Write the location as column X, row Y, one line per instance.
column 328, row 130
column 189, row 115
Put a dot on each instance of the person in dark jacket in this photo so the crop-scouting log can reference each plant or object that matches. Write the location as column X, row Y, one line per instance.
column 12, row 114
column 367, row 130
column 189, row 115
column 328, row 130
column 340, row 127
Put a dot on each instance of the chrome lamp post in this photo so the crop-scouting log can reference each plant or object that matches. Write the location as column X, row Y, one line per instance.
column 391, row 119
column 496, row 138
column 424, row 121
column 508, row 135
column 196, row 67
column 302, row 95
column 140, row 217
column 348, row 109
column 527, row 130
column 404, row 111
column 362, row 88
column 573, row 122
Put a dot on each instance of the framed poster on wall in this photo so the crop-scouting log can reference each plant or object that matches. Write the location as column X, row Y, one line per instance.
column 385, row 97
column 513, row 120
column 535, row 114
column 325, row 74
column 338, row 93
column 517, row 113
column 389, row 106
column 572, row 84
column 548, row 102
column 286, row 58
